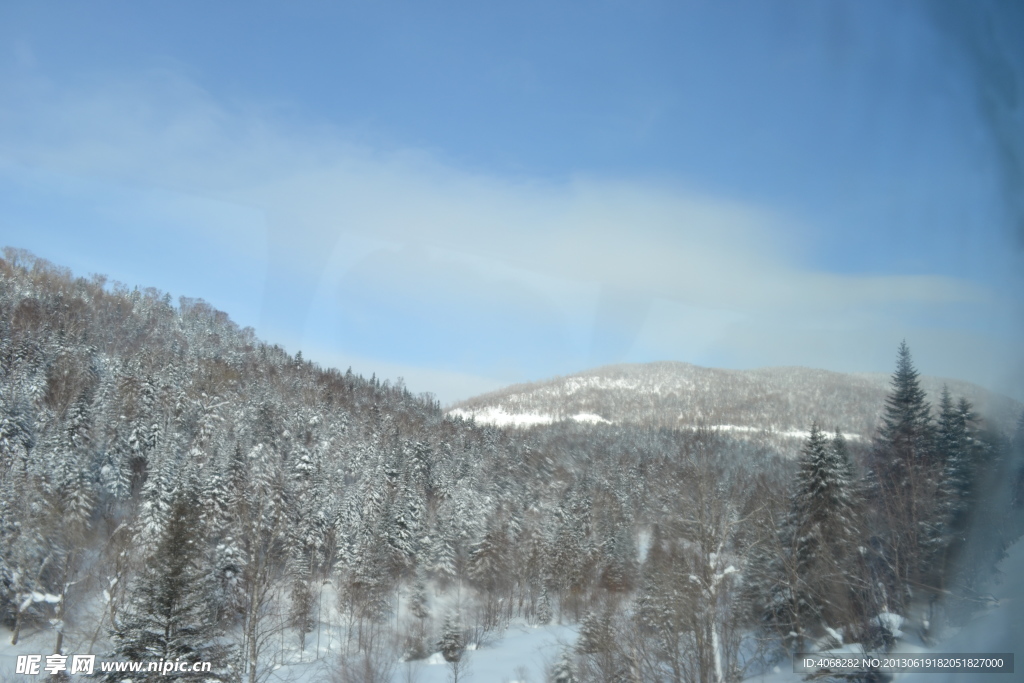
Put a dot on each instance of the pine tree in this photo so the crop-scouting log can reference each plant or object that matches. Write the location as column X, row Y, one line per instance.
column 595, row 633
column 26, row 562
column 954, row 450
column 906, row 432
column 452, row 644
column 453, row 647
column 826, row 526
column 544, row 614
column 823, row 503
column 157, row 497
column 487, row 559
column 444, row 556
column 960, row 451
column 804, row 577
column 598, row 645
column 369, row 580
column 168, row 616
column 980, row 487
column 949, row 430
column 217, row 519
column 905, row 475
column 15, row 433
column 620, row 556
column 403, row 520
column 563, row 671
column 418, row 603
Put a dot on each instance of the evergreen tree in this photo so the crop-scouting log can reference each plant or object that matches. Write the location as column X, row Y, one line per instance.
column 618, row 562
column 403, row 522
column 26, row 560
column 157, row 497
column 544, row 614
column 598, row 645
column 824, row 520
column 444, row 555
column 452, row 644
column 168, row 616
column 905, row 477
column 906, row 432
column 960, row 451
column 949, row 434
column 418, row 603
column 595, row 633
column 985, row 522
column 487, row 558
column 453, row 647
column 563, row 671
column 804, row 577
column 824, row 500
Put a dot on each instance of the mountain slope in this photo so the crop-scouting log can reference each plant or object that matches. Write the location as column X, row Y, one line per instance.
column 670, row 394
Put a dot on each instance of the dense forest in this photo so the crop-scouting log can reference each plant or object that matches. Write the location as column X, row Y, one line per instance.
column 171, row 487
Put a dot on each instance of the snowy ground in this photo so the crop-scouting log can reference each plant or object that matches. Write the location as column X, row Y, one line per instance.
column 522, row 654
column 498, row 416
column 501, row 418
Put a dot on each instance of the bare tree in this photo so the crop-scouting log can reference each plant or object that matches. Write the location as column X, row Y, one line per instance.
column 376, row 662
column 688, row 615
column 453, row 648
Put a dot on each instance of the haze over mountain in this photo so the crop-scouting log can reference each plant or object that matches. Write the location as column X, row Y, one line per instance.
column 671, row 394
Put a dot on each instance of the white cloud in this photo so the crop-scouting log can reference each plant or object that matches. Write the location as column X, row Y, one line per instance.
column 731, row 268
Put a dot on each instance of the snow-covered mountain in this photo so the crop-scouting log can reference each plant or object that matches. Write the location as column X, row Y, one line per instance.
column 781, row 401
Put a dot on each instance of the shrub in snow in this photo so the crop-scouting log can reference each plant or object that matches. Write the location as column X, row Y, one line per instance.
column 884, row 630
column 563, row 670
column 452, row 644
column 544, row 609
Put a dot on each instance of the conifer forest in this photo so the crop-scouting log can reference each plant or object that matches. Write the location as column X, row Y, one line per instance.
column 173, row 488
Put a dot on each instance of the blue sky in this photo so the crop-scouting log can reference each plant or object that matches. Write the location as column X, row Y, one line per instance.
column 467, row 195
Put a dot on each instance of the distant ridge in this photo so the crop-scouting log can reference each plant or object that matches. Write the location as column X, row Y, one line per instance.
column 778, row 400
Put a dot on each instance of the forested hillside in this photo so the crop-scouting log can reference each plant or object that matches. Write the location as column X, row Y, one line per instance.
column 680, row 395
column 171, row 487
